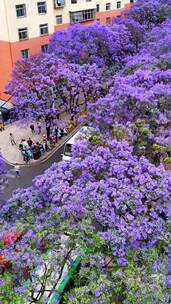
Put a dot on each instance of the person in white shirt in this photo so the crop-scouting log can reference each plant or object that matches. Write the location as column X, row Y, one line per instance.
column 17, row 170
column 25, row 145
column 65, row 131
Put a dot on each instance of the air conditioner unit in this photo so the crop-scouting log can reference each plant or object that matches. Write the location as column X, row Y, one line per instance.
column 59, row 3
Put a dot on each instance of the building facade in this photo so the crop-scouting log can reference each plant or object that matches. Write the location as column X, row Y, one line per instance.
column 26, row 26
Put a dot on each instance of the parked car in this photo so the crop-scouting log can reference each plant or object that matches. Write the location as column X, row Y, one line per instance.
column 84, row 133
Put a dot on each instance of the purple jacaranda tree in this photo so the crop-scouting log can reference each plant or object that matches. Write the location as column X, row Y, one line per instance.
column 46, row 88
column 135, row 29
column 41, row 84
column 137, row 107
column 149, row 12
column 113, row 206
column 31, row 274
column 140, row 102
column 3, row 172
column 155, row 51
column 99, row 44
column 107, row 204
column 83, row 83
column 107, row 46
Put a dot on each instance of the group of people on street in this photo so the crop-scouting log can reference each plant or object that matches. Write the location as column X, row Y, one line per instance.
column 34, row 150
column 31, row 150
column 53, row 132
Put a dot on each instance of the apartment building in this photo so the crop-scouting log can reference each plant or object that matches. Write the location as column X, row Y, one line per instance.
column 26, row 25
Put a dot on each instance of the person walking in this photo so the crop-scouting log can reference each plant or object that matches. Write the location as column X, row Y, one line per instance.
column 56, row 134
column 25, row 145
column 26, row 157
column 30, row 142
column 17, row 170
column 32, row 128
column 12, row 140
column 39, row 125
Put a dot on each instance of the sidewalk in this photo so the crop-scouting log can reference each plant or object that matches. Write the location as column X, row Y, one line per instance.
column 11, row 153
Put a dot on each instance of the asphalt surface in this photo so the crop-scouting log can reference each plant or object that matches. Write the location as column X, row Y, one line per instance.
column 27, row 174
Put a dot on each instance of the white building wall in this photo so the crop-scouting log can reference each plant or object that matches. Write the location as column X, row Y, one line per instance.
column 9, row 23
column 32, row 20
column 3, row 22
column 84, row 5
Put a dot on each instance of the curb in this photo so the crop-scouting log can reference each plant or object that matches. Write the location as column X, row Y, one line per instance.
column 50, row 153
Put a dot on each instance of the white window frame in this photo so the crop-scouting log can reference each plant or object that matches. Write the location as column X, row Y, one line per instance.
column 39, row 6
column 59, row 17
column 97, row 8
column 21, row 34
column 118, row 3
column 44, row 29
column 108, row 6
column 25, row 53
column 44, row 48
column 79, row 16
column 19, row 8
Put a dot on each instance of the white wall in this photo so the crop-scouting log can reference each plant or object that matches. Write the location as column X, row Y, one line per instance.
column 31, row 21
column 83, row 5
column 9, row 28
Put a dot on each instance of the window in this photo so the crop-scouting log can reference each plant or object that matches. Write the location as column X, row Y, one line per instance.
column 68, row 150
column 82, row 16
column 44, row 48
column 118, row 4
column 59, row 3
column 23, row 33
column 41, row 6
column 97, row 8
column 108, row 20
column 59, row 19
column 25, row 53
column 43, row 29
column 20, row 10
column 73, row 1
column 107, row 6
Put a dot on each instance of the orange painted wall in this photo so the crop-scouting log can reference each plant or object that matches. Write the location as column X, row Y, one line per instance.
column 6, row 64
column 10, row 52
column 61, row 27
column 102, row 15
column 33, row 44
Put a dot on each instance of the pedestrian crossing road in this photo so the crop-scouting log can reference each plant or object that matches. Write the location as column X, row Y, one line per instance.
column 27, row 174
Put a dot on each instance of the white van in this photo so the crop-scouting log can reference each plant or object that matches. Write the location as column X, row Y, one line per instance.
column 83, row 133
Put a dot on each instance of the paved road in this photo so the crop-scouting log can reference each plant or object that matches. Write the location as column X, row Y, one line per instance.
column 28, row 174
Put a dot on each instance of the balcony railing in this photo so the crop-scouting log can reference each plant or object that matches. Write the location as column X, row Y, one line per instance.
column 83, row 16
